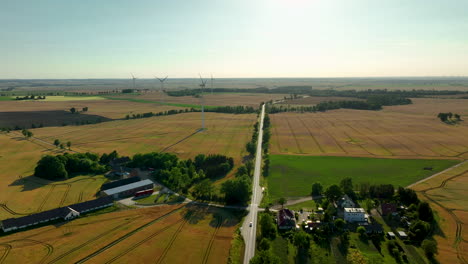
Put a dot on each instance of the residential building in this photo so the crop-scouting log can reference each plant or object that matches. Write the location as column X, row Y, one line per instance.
column 286, row 219
column 355, row 215
column 345, row 202
column 388, row 208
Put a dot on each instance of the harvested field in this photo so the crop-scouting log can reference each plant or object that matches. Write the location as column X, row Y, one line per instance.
column 395, row 132
column 163, row 234
column 22, row 193
column 447, row 195
column 178, row 134
column 293, row 175
column 215, row 99
column 56, row 113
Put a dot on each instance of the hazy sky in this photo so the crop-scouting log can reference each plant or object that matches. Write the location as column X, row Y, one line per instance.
column 233, row 38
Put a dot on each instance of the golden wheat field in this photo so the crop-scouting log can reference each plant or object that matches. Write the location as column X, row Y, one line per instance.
column 397, row 131
column 446, row 194
column 163, row 234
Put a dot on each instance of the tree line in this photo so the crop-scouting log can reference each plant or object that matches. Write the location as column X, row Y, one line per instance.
column 30, row 97
column 277, row 90
column 219, row 109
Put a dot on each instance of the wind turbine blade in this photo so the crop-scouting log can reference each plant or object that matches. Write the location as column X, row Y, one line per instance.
column 165, row 78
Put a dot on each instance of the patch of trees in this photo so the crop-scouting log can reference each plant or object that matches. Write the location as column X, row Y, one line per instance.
column 449, row 118
column 74, row 110
column 62, row 166
column 181, row 175
column 30, row 97
column 26, row 133
column 127, row 90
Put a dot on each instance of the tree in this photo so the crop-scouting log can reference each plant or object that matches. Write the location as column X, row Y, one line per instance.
column 73, row 110
column 29, row 134
column 69, row 145
column 267, row 227
column 62, row 146
column 339, row 224
column 362, row 231
column 333, row 192
column 250, row 147
column 203, row 189
column 457, row 117
column 425, row 212
column 236, row 191
column 346, row 185
column 429, row 247
column 56, row 142
column 282, row 201
column 85, row 109
column 264, row 244
column 265, row 257
column 301, row 240
column 51, row 168
column 317, row 189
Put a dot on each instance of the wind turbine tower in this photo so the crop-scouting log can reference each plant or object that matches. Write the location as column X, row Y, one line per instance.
column 212, row 84
column 202, row 85
column 162, row 85
column 134, row 79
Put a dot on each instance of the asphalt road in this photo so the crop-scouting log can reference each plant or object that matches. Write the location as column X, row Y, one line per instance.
column 249, row 233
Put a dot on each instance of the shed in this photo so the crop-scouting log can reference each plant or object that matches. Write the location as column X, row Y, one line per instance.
column 391, row 235
column 129, row 189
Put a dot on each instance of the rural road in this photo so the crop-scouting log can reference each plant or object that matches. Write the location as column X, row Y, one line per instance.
column 249, row 233
column 437, row 174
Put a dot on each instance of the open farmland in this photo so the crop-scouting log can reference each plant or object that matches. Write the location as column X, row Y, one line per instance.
column 409, row 131
column 56, row 113
column 163, row 234
column 225, row 133
column 215, row 99
column 447, row 195
column 22, row 193
column 293, row 175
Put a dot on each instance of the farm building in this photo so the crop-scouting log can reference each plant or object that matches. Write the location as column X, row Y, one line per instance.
column 354, row 215
column 286, row 219
column 129, row 189
column 64, row 213
column 114, row 184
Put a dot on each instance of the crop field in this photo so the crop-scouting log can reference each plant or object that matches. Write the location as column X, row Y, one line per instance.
column 410, row 131
column 225, row 133
column 215, row 99
column 56, row 113
column 447, row 195
column 293, row 175
column 162, row 234
column 22, row 193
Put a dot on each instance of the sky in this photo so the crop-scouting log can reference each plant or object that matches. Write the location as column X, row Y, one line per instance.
column 232, row 38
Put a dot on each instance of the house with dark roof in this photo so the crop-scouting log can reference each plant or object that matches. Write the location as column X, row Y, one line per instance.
column 63, row 213
column 286, row 219
column 345, row 202
column 388, row 208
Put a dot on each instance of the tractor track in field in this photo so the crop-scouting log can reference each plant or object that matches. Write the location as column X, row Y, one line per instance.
column 7, row 247
column 80, row 197
column 370, row 139
column 127, row 235
column 294, row 136
column 329, row 134
column 174, row 237
column 210, row 244
column 65, row 195
column 311, row 135
column 450, row 211
column 9, row 210
column 123, row 253
column 49, row 193
column 49, row 247
column 60, row 257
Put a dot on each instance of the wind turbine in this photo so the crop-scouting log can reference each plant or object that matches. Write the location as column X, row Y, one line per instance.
column 212, row 84
column 162, row 82
column 202, row 85
column 162, row 85
column 133, row 78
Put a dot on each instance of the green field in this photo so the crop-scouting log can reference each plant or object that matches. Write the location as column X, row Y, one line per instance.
column 293, row 176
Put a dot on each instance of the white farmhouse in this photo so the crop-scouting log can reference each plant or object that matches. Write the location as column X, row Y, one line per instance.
column 354, row 215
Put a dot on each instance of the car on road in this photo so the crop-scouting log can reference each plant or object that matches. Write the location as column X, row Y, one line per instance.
column 250, row 224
